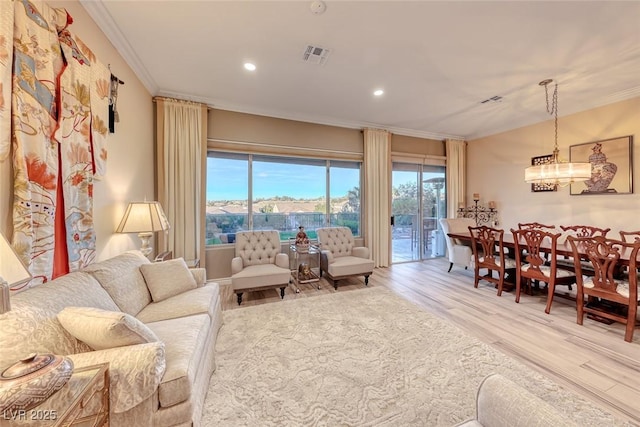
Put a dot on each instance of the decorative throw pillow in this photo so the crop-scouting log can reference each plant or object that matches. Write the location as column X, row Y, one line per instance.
column 102, row 329
column 168, row 278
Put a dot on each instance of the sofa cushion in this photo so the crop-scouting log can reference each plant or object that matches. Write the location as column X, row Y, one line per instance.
column 349, row 265
column 102, row 329
column 196, row 301
column 167, row 278
column 184, row 339
column 32, row 324
column 120, row 276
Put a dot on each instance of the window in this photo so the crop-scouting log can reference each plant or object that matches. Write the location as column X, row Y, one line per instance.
column 259, row 192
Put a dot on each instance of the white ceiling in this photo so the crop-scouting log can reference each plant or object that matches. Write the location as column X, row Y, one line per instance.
column 436, row 60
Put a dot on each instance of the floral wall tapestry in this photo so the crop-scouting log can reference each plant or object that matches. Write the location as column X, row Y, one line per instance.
column 59, row 110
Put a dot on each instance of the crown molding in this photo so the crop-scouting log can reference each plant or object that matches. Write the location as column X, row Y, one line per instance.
column 103, row 19
column 309, row 118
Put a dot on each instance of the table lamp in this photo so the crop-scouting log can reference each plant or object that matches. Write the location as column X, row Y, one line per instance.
column 12, row 273
column 144, row 218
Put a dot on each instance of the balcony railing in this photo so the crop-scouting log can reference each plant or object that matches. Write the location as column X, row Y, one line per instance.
column 221, row 228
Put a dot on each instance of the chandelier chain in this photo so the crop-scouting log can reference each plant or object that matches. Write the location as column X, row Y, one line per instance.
column 554, row 107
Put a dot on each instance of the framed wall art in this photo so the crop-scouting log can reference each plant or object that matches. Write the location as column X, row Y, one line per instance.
column 542, row 160
column 611, row 166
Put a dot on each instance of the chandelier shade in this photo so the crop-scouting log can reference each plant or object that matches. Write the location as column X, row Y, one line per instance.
column 556, row 172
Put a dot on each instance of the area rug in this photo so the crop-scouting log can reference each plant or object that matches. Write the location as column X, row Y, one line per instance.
column 359, row 358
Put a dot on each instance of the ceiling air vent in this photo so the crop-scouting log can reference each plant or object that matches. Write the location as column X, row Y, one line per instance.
column 492, row 99
column 315, row 54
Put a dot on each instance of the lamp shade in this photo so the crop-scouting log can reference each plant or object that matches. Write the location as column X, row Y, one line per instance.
column 558, row 173
column 143, row 217
column 12, row 270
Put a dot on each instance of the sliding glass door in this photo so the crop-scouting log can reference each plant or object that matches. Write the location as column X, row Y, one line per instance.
column 418, row 202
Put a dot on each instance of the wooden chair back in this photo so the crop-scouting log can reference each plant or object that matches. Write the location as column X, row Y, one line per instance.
column 630, row 236
column 529, row 243
column 487, row 247
column 535, row 225
column 488, row 252
column 585, row 230
column 607, row 283
column 532, row 265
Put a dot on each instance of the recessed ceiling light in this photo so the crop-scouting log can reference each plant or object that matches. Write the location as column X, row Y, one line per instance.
column 249, row 66
column 378, row 92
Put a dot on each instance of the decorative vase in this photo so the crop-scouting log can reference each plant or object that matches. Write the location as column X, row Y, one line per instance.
column 30, row 381
column 302, row 241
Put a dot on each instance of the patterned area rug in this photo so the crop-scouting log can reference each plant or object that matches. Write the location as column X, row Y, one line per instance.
column 359, row 358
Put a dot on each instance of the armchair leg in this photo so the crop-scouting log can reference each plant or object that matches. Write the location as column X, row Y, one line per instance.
column 450, row 267
column 366, row 280
column 281, row 293
column 335, row 284
column 239, row 295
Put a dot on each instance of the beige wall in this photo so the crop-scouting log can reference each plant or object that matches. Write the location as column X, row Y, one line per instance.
column 496, row 166
column 130, row 174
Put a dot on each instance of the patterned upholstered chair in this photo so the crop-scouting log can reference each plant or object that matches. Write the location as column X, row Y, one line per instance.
column 258, row 264
column 459, row 252
column 340, row 258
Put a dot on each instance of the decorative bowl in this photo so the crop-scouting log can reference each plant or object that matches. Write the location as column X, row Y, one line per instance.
column 30, row 381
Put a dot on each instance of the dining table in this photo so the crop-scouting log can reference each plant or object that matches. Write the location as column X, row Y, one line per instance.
column 563, row 247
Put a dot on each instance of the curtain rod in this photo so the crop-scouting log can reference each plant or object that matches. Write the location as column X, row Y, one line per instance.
column 185, row 101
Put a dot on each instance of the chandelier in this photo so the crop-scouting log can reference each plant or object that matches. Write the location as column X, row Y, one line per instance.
column 556, row 172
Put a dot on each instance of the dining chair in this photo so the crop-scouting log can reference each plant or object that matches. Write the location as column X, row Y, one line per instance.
column 488, row 253
column 580, row 231
column 604, row 255
column 535, row 225
column 585, row 230
column 630, row 236
column 530, row 262
column 459, row 252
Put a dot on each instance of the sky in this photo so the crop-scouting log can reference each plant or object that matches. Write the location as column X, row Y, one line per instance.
column 227, row 180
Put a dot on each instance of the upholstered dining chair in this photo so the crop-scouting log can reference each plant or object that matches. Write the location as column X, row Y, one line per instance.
column 340, row 258
column 530, row 246
column 259, row 263
column 604, row 255
column 459, row 252
column 488, row 253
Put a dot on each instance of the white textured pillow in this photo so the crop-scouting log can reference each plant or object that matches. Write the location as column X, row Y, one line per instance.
column 168, row 278
column 102, row 329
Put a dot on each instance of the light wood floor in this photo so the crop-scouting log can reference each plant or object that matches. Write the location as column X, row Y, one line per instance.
column 593, row 360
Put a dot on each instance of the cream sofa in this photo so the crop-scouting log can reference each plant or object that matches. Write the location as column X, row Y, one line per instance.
column 502, row 403
column 160, row 383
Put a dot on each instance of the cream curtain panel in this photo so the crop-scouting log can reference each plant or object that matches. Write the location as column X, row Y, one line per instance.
column 377, row 194
column 181, row 161
column 456, row 174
